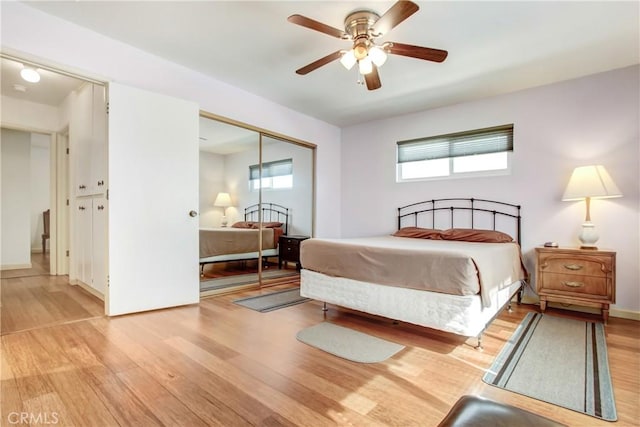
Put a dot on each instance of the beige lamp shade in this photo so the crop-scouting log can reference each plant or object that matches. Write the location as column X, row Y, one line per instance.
column 590, row 181
column 223, row 200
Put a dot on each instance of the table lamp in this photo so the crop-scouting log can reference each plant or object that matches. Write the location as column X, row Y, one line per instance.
column 223, row 200
column 589, row 182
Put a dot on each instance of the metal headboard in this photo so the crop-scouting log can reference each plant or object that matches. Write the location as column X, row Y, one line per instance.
column 269, row 212
column 476, row 207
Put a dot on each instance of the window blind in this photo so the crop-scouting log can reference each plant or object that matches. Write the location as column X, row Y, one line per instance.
column 481, row 141
column 271, row 169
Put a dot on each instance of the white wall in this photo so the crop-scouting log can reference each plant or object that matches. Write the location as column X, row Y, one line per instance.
column 15, row 247
column 40, row 179
column 237, row 181
column 592, row 120
column 25, row 115
column 30, row 33
column 298, row 199
column 212, row 181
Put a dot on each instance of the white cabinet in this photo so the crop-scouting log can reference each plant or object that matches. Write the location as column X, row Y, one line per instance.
column 88, row 179
column 99, row 245
column 98, row 157
column 91, row 243
column 88, row 140
column 82, row 251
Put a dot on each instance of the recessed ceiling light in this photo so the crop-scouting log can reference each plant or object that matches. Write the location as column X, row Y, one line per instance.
column 30, row 75
column 19, row 88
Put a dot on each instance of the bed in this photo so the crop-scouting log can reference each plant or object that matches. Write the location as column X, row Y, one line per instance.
column 241, row 241
column 430, row 272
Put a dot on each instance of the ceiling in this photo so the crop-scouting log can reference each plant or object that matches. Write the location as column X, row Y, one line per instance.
column 51, row 90
column 494, row 47
column 223, row 138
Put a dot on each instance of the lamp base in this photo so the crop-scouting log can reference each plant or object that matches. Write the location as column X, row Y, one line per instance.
column 588, row 236
column 223, row 223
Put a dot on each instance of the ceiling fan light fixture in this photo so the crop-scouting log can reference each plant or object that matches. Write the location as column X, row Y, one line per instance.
column 30, row 75
column 365, row 65
column 360, row 50
column 377, row 55
column 348, row 59
column 363, row 27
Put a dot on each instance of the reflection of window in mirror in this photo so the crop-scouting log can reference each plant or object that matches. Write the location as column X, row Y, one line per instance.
column 277, row 175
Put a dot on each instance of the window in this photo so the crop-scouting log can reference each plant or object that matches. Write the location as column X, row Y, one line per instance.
column 479, row 152
column 275, row 175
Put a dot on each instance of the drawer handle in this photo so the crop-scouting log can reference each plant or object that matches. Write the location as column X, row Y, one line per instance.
column 573, row 284
column 574, row 267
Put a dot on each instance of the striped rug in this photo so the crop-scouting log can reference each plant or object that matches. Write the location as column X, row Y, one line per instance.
column 560, row 361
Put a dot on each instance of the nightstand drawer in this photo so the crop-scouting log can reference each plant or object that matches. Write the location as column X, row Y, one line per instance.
column 290, row 252
column 582, row 266
column 589, row 285
column 290, row 242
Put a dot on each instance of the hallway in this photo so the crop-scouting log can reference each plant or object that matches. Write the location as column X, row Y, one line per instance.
column 31, row 299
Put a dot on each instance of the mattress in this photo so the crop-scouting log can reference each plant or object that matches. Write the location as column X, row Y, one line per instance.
column 448, row 267
column 229, row 240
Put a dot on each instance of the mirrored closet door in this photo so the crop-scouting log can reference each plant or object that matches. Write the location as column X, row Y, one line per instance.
column 256, row 205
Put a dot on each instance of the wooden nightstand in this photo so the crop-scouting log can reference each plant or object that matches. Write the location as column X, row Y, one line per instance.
column 289, row 249
column 576, row 276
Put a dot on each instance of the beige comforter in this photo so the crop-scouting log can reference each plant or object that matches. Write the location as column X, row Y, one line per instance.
column 224, row 241
column 451, row 267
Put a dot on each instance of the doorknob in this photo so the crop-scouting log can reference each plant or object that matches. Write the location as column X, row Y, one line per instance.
column 193, row 214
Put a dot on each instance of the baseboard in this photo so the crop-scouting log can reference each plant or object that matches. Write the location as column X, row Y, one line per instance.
column 89, row 289
column 624, row 314
column 15, row 266
column 229, row 290
column 613, row 312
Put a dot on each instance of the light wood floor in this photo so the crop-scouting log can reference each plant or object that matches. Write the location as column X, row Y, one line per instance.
column 30, row 298
column 39, row 266
column 218, row 363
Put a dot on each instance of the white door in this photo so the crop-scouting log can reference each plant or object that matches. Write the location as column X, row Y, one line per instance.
column 153, row 186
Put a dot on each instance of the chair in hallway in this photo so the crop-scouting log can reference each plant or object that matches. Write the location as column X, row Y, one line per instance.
column 45, row 235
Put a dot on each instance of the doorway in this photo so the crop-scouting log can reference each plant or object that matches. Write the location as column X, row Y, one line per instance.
column 26, row 199
column 35, row 290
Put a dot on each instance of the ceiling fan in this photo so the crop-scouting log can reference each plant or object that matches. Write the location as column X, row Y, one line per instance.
column 363, row 27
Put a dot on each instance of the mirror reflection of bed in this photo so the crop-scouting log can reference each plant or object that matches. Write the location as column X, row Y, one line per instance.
column 236, row 247
column 239, row 234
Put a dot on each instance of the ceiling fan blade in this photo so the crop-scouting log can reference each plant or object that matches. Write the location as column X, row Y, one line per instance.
column 319, row 63
column 427, row 53
column 318, row 26
column 373, row 79
column 395, row 15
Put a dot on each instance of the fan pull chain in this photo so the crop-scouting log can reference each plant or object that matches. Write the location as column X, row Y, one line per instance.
column 360, row 78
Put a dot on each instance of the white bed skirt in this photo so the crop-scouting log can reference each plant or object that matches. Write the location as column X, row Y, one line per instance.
column 458, row 314
column 239, row 257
